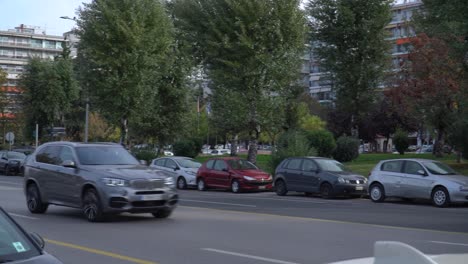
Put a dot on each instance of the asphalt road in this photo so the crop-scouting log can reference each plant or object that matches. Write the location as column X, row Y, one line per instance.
column 220, row 227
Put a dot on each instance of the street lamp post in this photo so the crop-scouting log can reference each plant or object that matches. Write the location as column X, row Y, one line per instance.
column 87, row 98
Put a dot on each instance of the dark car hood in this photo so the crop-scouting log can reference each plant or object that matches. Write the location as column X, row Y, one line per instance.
column 259, row 174
column 42, row 259
column 128, row 172
column 18, row 160
column 346, row 174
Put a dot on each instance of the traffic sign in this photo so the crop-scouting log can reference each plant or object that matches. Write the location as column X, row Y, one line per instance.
column 10, row 136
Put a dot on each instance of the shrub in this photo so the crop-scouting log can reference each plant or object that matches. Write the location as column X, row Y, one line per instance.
column 187, row 148
column 323, row 141
column 400, row 140
column 146, row 155
column 347, row 149
column 290, row 144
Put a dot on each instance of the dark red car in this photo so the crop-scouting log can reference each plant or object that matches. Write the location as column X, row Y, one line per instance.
column 232, row 174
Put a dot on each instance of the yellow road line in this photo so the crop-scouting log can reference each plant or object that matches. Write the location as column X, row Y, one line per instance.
column 100, row 252
column 332, row 221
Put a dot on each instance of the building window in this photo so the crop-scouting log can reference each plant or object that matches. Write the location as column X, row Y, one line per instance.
column 49, row 44
column 6, row 53
column 37, row 43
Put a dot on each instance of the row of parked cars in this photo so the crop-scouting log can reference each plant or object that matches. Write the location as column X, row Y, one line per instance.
column 404, row 178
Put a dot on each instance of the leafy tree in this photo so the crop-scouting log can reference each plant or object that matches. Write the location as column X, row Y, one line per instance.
column 50, row 89
column 323, row 141
column 122, row 44
column 432, row 84
column 400, row 140
column 350, row 41
column 252, row 46
column 291, row 143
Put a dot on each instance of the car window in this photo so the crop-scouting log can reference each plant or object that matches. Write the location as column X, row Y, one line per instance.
column 294, row 164
column 14, row 245
column 188, row 163
column 15, row 155
column 412, row 167
column 309, row 165
column 239, row 164
column 392, row 166
column 220, row 165
column 171, row 164
column 49, row 155
column 105, row 155
column 160, row 162
column 66, row 153
column 210, row 164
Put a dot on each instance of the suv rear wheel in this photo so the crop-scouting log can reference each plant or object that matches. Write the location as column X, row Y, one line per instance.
column 33, row 200
column 201, row 185
column 281, row 188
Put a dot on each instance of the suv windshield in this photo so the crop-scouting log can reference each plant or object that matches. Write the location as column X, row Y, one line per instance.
column 14, row 245
column 241, row 165
column 330, row 165
column 16, row 155
column 188, row 163
column 105, row 155
column 439, row 168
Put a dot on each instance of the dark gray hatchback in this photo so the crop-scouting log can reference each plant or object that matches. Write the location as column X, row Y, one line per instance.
column 100, row 178
column 318, row 175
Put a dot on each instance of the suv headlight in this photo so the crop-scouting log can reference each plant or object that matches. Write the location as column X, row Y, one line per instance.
column 169, row 181
column 115, row 182
column 249, row 178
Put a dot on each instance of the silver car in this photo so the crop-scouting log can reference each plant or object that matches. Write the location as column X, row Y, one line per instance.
column 417, row 178
column 101, row 179
column 184, row 169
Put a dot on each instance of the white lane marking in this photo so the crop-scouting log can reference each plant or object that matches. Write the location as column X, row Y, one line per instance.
column 199, row 201
column 4, row 188
column 449, row 243
column 24, row 216
column 248, row 256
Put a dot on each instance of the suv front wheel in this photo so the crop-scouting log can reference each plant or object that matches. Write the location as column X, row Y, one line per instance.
column 92, row 209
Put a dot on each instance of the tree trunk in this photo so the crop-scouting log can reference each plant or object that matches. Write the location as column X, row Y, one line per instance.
column 253, row 143
column 439, row 145
column 234, row 143
column 123, row 131
column 459, row 156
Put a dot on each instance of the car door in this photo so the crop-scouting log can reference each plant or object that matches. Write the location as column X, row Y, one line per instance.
column 208, row 173
column 47, row 172
column 309, row 178
column 391, row 177
column 68, row 182
column 293, row 173
column 159, row 164
column 415, row 184
column 3, row 161
column 221, row 176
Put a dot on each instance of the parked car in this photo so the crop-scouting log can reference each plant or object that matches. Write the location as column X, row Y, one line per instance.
column 219, row 152
column 417, row 178
column 11, row 161
column 101, row 179
column 184, row 169
column 425, row 149
column 318, row 175
column 168, row 153
column 232, row 174
column 17, row 246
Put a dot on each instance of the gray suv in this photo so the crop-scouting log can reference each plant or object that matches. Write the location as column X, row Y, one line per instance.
column 99, row 178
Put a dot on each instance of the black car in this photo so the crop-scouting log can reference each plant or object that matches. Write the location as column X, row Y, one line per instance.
column 11, row 162
column 17, row 246
column 318, row 175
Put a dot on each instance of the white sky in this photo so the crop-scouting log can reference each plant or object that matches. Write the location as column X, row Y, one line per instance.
column 42, row 13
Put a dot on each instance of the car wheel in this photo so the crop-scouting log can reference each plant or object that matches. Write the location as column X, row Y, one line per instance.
column 92, row 207
column 34, row 201
column 326, row 191
column 201, row 185
column 235, row 186
column 440, row 197
column 181, row 183
column 163, row 213
column 281, row 188
column 377, row 193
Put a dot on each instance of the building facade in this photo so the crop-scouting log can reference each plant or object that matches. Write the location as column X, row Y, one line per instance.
column 17, row 46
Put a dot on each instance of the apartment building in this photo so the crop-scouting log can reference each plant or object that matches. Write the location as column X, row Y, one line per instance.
column 17, row 46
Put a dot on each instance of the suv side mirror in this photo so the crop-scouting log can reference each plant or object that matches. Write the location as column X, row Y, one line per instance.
column 69, row 164
column 421, row 172
column 38, row 239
